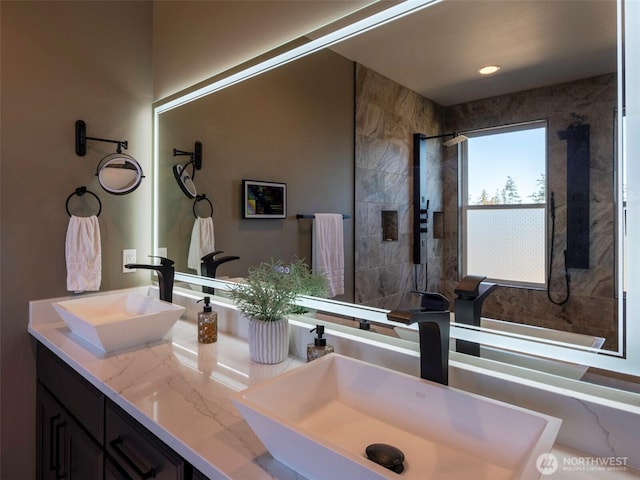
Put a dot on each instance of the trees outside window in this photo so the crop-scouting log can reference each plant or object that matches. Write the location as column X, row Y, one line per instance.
column 503, row 207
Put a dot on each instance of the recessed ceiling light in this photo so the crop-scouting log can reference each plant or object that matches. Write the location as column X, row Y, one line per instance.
column 489, row 69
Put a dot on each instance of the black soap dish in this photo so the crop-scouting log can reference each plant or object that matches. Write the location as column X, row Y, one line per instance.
column 386, row 455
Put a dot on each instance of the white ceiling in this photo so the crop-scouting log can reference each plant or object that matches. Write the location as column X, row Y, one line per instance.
column 438, row 51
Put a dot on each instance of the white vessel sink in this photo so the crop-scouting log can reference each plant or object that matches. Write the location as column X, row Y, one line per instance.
column 319, row 419
column 119, row 320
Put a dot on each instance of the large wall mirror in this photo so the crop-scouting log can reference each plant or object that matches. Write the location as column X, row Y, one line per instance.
column 336, row 126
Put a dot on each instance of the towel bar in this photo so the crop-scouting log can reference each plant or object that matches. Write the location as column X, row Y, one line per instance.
column 299, row 216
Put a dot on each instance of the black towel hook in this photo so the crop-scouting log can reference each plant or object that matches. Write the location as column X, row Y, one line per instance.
column 80, row 191
column 199, row 198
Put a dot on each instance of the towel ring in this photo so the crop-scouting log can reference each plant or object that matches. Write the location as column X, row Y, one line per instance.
column 79, row 192
column 198, row 198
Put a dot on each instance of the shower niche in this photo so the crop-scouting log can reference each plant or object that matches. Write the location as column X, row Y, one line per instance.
column 389, row 225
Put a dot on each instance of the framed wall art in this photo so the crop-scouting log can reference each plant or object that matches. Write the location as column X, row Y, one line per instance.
column 264, row 199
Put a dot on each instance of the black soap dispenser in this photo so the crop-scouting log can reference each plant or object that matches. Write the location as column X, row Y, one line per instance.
column 319, row 347
column 207, row 323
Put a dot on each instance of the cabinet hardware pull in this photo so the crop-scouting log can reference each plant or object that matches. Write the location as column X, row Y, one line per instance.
column 117, row 445
column 53, row 444
column 58, row 428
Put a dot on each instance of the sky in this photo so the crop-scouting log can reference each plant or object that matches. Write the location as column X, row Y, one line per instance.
column 492, row 158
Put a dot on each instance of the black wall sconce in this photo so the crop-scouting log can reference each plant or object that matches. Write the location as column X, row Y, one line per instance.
column 185, row 182
column 118, row 173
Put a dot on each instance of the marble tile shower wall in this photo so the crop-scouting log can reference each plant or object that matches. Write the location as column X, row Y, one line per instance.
column 591, row 308
column 388, row 114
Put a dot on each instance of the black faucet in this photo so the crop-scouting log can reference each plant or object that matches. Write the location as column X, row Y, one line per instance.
column 433, row 330
column 209, row 264
column 166, row 272
column 432, row 301
column 472, row 292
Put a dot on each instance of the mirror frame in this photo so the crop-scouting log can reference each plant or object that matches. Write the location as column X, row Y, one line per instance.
column 627, row 359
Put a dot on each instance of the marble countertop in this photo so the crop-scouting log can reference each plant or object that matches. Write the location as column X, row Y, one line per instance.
column 179, row 389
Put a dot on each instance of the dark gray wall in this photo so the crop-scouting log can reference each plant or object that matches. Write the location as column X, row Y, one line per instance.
column 294, row 125
column 63, row 61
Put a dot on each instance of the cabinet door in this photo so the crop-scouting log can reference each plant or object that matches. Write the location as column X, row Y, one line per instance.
column 137, row 451
column 113, row 472
column 83, row 456
column 65, row 451
column 198, row 476
column 50, row 436
column 77, row 395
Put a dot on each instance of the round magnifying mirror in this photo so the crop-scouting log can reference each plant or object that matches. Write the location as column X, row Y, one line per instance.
column 184, row 181
column 119, row 174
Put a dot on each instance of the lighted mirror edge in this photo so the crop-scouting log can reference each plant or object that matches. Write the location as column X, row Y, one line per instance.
column 619, row 153
column 460, row 328
column 538, row 348
column 629, row 364
column 378, row 315
column 631, row 148
column 377, row 19
column 155, row 184
column 590, row 392
column 332, row 306
column 550, row 349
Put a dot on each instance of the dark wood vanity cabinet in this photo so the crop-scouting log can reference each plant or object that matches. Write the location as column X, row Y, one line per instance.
column 70, row 422
column 65, row 449
column 81, row 435
column 137, row 451
column 199, row 476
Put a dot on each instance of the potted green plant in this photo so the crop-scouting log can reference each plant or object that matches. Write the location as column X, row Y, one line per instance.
column 266, row 298
column 307, row 283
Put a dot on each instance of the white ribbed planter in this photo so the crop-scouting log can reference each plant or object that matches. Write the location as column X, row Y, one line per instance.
column 268, row 341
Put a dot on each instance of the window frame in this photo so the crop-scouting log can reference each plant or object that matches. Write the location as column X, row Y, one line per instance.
column 463, row 196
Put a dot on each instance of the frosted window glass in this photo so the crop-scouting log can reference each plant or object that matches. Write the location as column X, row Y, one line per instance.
column 507, row 244
column 504, row 203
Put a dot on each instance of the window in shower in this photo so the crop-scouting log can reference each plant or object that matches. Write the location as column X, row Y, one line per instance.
column 503, row 203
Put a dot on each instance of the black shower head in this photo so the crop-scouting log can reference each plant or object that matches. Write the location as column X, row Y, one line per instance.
column 456, row 138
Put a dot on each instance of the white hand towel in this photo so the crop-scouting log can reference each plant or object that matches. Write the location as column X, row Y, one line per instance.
column 328, row 250
column 202, row 242
column 83, row 253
